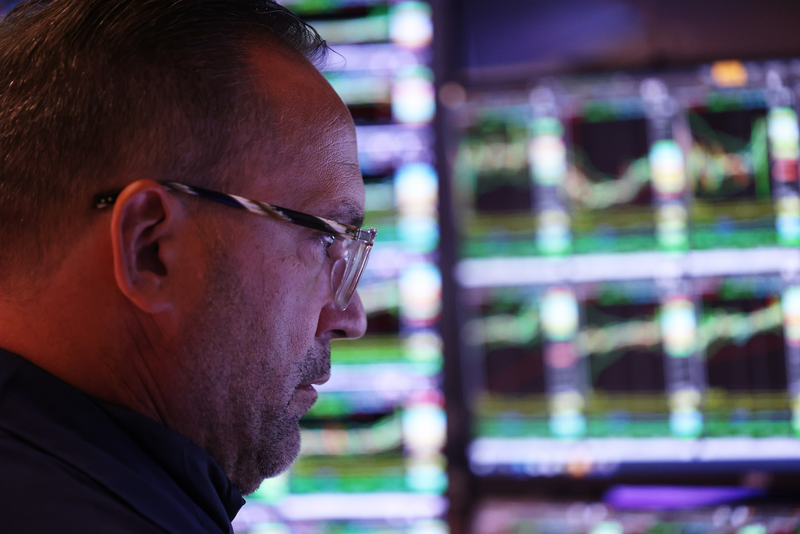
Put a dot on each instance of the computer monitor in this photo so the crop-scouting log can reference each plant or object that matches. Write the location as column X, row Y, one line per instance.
column 628, row 274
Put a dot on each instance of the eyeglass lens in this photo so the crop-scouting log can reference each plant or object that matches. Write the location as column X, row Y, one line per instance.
column 346, row 272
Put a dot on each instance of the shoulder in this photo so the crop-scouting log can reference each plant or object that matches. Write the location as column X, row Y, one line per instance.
column 67, row 464
column 40, row 492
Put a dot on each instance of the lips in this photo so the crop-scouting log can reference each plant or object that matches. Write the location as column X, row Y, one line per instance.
column 305, row 394
column 315, row 381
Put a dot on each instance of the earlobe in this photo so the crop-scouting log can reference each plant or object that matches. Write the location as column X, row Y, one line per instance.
column 142, row 230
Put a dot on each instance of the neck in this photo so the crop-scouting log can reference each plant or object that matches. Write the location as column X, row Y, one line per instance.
column 79, row 328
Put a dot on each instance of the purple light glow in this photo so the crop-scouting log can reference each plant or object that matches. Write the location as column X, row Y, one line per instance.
column 674, row 497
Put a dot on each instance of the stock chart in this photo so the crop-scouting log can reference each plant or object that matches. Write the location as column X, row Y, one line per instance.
column 629, row 273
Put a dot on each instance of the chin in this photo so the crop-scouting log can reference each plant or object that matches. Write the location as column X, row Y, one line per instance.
column 270, row 461
column 287, row 453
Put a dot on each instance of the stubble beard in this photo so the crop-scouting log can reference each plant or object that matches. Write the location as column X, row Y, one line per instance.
column 280, row 432
column 235, row 394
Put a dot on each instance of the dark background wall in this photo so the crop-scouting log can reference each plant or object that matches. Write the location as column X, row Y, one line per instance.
column 510, row 39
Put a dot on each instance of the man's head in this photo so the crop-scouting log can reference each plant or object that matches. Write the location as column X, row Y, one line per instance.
column 94, row 91
column 207, row 318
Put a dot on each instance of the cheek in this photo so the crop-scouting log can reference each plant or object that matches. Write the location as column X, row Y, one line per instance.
column 313, row 272
column 295, row 288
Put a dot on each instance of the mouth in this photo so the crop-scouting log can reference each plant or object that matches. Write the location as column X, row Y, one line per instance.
column 315, row 382
column 305, row 392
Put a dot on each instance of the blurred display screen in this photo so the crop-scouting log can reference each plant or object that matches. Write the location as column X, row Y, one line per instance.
column 656, row 510
column 629, row 273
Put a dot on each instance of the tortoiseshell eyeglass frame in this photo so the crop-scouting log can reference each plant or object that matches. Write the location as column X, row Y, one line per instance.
column 357, row 242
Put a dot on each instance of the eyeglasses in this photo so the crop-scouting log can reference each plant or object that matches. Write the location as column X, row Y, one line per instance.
column 349, row 251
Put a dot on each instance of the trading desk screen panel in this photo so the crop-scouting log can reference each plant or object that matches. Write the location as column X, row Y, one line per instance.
column 629, row 277
column 729, row 169
column 608, row 182
column 638, row 509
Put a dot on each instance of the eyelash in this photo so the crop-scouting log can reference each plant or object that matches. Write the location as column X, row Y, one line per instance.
column 327, row 240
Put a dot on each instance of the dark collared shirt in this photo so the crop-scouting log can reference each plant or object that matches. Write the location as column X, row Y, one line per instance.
column 71, row 463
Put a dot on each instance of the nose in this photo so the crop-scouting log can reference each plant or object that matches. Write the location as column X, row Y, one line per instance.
column 337, row 324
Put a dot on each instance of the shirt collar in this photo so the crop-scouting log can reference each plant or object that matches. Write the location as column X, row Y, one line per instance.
column 191, row 467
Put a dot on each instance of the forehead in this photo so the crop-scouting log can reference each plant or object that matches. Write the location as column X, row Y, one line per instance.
column 313, row 161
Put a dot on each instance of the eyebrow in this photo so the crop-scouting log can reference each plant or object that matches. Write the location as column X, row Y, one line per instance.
column 347, row 213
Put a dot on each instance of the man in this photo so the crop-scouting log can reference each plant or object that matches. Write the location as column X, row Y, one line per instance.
column 161, row 336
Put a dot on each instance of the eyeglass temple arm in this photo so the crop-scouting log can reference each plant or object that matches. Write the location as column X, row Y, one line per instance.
column 104, row 200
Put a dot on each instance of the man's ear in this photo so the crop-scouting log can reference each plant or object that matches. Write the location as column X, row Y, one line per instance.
column 144, row 227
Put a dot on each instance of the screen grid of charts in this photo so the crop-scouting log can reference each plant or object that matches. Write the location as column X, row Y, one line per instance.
column 628, row 273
